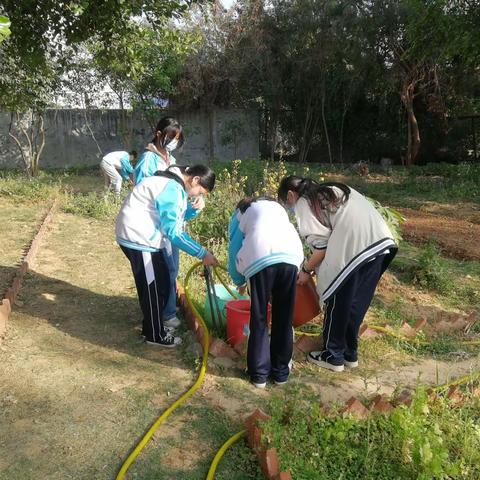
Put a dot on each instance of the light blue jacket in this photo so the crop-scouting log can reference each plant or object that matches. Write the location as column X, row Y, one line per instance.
column 152, row 217
column 149, row 163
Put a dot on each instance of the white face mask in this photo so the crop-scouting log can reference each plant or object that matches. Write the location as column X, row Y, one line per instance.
column 172, row 145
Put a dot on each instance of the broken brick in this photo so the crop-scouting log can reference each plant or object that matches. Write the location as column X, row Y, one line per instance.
column 269, row 463
column 366, row 332
column 405, row 398
column 219, row 348
column 284, row 476
column 241, row 347
column 307, row 343
column 381, row 404
column 407, row 331
column 356, row 408
column 419, row 324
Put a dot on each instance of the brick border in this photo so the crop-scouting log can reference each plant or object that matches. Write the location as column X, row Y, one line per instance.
column 26, row 261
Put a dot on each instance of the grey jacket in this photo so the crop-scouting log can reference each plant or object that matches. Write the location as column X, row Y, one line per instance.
column 353, row 235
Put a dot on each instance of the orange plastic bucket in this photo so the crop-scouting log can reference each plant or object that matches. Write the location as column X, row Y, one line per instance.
column 306, row 304
column 238, row 320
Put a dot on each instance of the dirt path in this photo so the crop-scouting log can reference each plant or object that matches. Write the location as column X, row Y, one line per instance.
column 457, row 238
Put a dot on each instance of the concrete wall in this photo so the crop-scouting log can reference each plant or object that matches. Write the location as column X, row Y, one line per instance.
column 221, row 134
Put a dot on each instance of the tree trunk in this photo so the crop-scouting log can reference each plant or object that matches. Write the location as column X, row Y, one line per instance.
column 414, row 140
column 324, row 121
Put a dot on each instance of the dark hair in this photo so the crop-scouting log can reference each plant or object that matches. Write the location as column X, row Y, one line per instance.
column 133, row 153
column 245, row 203
column 206, row 174
column 169, row 129
column 321, row 197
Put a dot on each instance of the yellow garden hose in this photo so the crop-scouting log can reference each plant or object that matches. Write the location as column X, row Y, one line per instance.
column 185, row 396
column 221, row 453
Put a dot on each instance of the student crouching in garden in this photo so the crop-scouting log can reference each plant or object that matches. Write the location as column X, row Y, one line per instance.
column 116, row 166
column 265, row 249
column 351, row 247
column 150, row 221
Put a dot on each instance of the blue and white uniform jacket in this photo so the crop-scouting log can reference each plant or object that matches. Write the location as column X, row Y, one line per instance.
column 149, row 163
column 152, row 217
column 260, row 237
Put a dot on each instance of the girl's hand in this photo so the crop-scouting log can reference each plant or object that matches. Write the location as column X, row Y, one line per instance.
column 303, row 278
column 198, row 203
column 210, row 260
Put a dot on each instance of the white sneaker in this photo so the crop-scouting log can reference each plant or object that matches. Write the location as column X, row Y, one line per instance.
column 174, row 322
column 316, row 358
column 280, row 383
column 259, row 385
column 350, row 364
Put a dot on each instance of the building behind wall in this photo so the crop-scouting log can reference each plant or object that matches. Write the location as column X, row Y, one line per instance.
column 81, row 137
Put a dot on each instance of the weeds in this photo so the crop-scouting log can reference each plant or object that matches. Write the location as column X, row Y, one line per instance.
column 427, row 440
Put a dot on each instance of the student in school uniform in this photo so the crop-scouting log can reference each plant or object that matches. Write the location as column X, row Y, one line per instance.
column 116, row 166
column 158, row 157
column 266, row 251
column 351, row 247
column 150, row 221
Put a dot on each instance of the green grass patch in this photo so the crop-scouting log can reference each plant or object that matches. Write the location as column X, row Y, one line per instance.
column 425, row 441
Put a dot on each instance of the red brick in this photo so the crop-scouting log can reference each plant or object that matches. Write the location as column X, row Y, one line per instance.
column 407, row 331
column 405, row 398
column 381, row 404
column 472, row 318
column 366, row 332
column 459, row 323
column 23, row 268
column 356, row 408
column 254, row 438
column 307, row 343
column 455, row 395
column 269, row 463
column 419, row 324
column 241, row 347
column 284, row 476
column 442, row 326
column 219, row 348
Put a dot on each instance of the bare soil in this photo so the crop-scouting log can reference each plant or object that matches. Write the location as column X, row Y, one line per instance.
column 456, row 237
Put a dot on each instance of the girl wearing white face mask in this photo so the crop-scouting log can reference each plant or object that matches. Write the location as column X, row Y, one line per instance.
column 157, row 156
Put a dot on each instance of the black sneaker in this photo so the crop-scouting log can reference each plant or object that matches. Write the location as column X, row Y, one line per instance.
column 168, row 341
column 321, row 359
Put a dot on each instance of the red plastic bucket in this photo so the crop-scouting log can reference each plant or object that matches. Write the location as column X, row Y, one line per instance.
column 306, row 304
column 238, row 320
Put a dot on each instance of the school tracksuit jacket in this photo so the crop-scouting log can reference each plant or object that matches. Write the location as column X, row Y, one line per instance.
column 149, row 163
column 359, row 247
column 150, row 221
column 266, row 250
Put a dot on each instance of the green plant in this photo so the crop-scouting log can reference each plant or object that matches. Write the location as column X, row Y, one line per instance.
column 429, row 271
column 425, row 441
